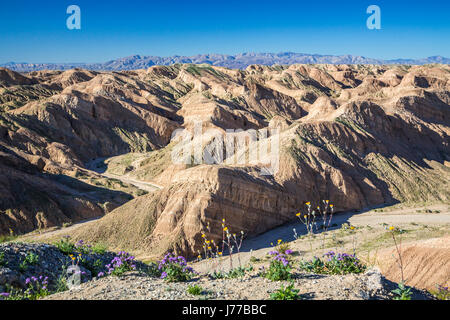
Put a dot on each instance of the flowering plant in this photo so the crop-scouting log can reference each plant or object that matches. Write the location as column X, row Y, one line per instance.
column 340, row 263
column 37, row 287
column 121, row 263
column 442, row 292
column 279, row 268
column 83, row 248
column 175, row 269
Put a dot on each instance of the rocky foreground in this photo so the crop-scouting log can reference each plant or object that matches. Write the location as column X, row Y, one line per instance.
column 134, row 286
column 146, row 283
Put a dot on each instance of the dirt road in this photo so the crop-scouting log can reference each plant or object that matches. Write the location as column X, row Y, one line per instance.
column 260, row 245
column 94, row 165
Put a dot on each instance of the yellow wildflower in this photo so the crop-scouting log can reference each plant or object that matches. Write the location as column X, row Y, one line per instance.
column 298, row 214
column 225, row 229
column 391, row 228
column 308, row 203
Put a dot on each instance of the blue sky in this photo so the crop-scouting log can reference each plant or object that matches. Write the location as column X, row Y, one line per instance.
column 35, row 31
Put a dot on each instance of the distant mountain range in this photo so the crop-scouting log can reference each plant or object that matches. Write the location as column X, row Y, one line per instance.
column 239, row 61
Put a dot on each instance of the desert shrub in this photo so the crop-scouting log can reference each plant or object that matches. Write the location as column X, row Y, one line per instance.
column 65, row 245
column 341, row 263
column 232, row 274
column 32, row 258
column 218, row 275
column 402, row 292
column 175, row 269
column 286, row 293
column 239, row 272
column 121, row 263
column 195, row 290
column 441, row 293
column 279, row 268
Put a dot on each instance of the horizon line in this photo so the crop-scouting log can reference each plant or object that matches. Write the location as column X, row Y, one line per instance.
column 222, row 54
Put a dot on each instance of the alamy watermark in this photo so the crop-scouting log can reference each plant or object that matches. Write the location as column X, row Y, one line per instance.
column 74, row 20
column 259, row 148
column 374, row 20
column 73, row 276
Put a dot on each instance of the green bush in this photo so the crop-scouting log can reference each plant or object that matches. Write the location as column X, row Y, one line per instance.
column 195, row 290
column 65, row 245
column 232, row 274
column 288, row 293
column 239, row 272
column 402, row 293
column 32, row 258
